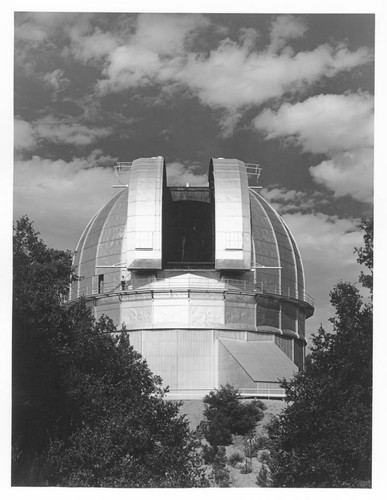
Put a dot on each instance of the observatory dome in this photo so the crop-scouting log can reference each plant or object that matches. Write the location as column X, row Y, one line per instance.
column 208, row 280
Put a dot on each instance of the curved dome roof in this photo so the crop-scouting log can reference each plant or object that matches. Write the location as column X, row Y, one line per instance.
column 104, row 242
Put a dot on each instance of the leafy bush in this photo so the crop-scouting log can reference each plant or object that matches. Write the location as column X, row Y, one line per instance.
column 246, row 468
column 226, row 415
column 220, row 475
column 264, row 456
column 262, row 442
column 263, row 478
column 235, row 457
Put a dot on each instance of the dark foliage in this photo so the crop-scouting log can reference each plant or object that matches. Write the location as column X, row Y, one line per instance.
column 220, row 475
column 323, row 437
column 263, row 478
column 87, row 411
column 225, row 415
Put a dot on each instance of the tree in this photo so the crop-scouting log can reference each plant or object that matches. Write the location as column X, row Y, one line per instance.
column 41, row 277
column 226, row 415
column 87, row 411
column 323, row 436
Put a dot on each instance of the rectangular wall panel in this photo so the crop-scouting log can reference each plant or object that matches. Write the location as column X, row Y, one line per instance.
column 144, row 223
column 229, row 181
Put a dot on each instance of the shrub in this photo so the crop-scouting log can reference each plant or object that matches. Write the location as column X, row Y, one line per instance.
column 235, row 458
column 246, row 468
column 226, row 415
column 263, row 478
column 220, row 474
column 262, row 442
column 264, row 456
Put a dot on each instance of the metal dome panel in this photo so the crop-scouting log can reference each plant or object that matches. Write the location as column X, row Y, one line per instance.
column 232, row 214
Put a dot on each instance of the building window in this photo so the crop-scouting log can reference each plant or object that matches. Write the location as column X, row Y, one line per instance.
column 100, row 283
column 234, row 240
column 144, row 240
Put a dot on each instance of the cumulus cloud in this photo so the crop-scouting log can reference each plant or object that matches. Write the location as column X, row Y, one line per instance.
column 167, row 34
column 179, row 174
column 290, row 200
column 322, row 123
column 24, row 137
column 335, row 238
column 62, row 188
column 160, row 49
column 231, row 76
column 65, row 131
column 339, row 126
column 56, row 81
column 347, row 173
column 283, row 29
column 86, row 47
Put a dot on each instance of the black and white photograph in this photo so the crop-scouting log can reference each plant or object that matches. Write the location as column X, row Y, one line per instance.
column 192, row 249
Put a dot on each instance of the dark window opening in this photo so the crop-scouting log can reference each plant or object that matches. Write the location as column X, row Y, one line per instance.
column 188, row 239
column 100, row 283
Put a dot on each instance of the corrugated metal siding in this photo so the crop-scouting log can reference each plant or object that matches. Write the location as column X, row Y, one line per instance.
column 301, row 322
column 183, row 358
column 195, row 358
column 160, row 349
column 299, row 350
column 286, row 344
column 240, row 311
column 268, row 312
column 135, row 339
column 265, row 337
column 289, row 316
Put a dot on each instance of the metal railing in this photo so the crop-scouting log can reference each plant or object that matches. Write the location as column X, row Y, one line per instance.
column 194, row 283
column 195, row 393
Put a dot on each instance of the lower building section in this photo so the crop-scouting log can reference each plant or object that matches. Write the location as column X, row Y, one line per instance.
column 192, row 362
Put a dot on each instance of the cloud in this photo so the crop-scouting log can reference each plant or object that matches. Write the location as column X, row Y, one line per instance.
column 339, row 126
column 347, row 173
column 179, row 174
column 163, row 50
column 58, row 131
column 56, row 81
column 322, row 123
column 24, row 137
column 61, row 189
column 326, row 245
column 231, row 76
column 283, row 29
column 167, row 34
column 290, row 201
column 86, row 47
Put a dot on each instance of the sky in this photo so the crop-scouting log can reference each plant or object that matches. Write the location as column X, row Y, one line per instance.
column 292, row 92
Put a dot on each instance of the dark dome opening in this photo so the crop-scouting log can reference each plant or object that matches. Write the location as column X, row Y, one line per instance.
column 188, row 239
